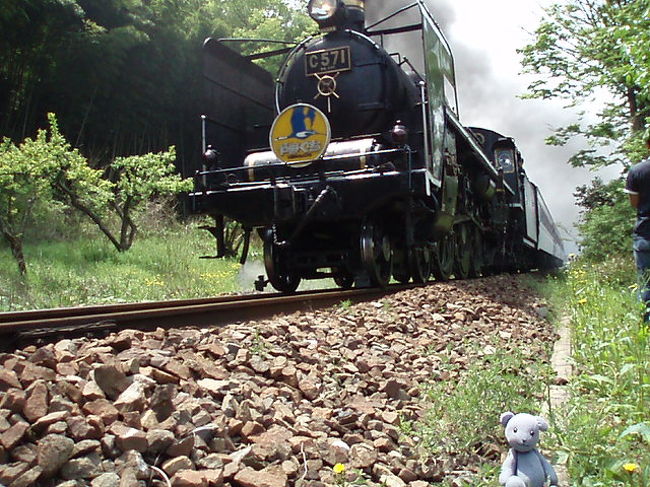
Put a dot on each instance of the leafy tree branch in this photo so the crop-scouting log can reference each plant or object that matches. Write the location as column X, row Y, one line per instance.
column 583, row 49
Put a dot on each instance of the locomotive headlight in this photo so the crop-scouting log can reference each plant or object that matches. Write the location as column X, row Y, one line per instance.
column 322, row 10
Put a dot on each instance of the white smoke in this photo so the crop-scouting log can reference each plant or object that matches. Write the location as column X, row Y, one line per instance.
column 484, row 44
column 249, row 273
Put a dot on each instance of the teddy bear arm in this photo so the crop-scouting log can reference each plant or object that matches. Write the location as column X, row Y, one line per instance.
column 549, row 471
column 507, row 469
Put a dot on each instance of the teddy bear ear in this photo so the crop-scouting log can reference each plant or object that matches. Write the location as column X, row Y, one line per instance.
column 505, row 417
column 541, row 423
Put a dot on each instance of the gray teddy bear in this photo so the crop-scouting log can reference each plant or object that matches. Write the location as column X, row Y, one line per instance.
column 524, row 465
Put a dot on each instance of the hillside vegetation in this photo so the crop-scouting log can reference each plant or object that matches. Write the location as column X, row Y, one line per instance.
column 123, row 76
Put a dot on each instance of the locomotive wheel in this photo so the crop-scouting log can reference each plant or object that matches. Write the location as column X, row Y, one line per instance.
column 477, row 253
column 376, row 254
column 401, row 266
column 463, row 253
column 420, row 263
column 275, row 262
column 443, row 258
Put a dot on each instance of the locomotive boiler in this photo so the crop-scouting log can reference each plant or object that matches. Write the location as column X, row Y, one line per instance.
column 352, row 162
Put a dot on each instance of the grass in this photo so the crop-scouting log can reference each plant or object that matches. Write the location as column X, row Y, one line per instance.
column 604, row 428
column 468, row 417
column 88, row 270
column 462, row 423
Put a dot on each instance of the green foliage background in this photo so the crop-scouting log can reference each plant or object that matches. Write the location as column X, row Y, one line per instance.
column 607, row 220
column 585, row 51
column 123, row 76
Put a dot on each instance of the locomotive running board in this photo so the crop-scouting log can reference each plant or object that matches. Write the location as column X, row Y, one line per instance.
column 476, row 149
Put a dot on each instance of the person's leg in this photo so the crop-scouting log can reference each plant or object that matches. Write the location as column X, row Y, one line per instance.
column 642, row 259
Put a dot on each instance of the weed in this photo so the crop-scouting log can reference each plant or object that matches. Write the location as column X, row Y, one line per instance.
column 483, row 478
column 259, row 345
column 605, row 426
column 465, row 420
column 345, row 478
column 345, row 305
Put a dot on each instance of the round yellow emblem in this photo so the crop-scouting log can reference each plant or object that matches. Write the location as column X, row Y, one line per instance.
column 300, row 134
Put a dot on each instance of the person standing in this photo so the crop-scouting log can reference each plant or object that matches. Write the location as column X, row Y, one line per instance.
column 637, row 187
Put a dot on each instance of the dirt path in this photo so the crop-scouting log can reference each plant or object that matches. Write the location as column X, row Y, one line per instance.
column 561, row 362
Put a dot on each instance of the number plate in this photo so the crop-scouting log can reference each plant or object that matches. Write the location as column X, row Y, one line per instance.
column 328, row 61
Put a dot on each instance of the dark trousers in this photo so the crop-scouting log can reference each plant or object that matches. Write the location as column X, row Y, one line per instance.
column 641, row 248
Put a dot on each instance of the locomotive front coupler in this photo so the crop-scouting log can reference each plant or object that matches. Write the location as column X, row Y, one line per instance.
column 260, row 283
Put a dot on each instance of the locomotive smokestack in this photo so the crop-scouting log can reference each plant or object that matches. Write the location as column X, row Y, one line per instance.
column 334, row 15
column 356, row 14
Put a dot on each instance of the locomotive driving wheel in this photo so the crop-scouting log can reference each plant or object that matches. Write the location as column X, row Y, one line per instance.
column 420, row 264
column 376, row 254
column 277, row 268
column 443, row 258
column 463, row 252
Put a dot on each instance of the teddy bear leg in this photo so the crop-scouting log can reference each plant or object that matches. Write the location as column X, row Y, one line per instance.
column 515, row 481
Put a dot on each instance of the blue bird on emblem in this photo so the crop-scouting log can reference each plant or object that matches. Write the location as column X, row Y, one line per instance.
column 299, row 118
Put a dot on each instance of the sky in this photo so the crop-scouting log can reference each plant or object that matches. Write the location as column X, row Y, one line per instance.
column 484, row 37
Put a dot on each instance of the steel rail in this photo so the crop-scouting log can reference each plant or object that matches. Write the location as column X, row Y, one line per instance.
column 202, row 311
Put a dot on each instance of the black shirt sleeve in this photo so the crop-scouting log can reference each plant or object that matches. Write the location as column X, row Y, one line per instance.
column 632, row 183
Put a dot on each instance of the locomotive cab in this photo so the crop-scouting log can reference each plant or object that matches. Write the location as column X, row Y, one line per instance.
column 508, row 160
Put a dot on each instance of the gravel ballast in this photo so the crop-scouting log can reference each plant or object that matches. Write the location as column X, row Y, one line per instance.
column 256, row 404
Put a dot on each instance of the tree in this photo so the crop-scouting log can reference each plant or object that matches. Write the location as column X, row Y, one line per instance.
column 134, row 180
column 29, row 173
column 585, row 47
column 138, row 179
column 22, row 188
column 124, row 75
column 46, row 170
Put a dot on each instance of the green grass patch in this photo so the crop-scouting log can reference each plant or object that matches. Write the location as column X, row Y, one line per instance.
column 604, row 429
column 88, row 270
column 462, row 423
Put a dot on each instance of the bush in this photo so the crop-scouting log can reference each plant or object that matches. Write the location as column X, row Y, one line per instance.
column 607, row 222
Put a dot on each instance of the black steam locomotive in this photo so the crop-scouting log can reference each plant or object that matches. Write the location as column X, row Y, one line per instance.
column 353, row 163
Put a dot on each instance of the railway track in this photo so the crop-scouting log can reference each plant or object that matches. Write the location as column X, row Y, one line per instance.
column 26, row 325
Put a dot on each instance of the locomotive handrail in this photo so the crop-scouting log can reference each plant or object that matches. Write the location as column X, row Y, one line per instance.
column 285, row 164
column 251, row 39
column 395, row 30
column 261, row 55
column 485, row 162
column 397, row 12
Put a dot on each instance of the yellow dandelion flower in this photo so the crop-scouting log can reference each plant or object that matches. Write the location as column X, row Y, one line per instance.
column 631, row 467
column 582, row 301
column 339, row 468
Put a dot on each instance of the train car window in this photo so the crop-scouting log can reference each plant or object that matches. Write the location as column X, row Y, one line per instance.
column 506, row 160
column 450, row 95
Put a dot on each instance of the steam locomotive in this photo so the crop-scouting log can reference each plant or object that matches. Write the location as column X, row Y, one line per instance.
column 353, row 164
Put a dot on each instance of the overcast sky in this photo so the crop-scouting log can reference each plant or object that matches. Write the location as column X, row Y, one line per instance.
column 484, row 37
